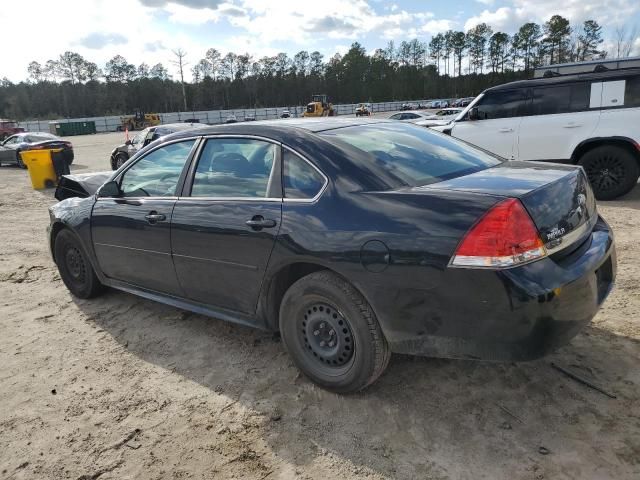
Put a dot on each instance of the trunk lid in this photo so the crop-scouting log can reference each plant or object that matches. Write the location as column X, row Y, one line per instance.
column 558, row 197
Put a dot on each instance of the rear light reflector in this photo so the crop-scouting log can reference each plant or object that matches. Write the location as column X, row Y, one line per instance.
column 504, row 237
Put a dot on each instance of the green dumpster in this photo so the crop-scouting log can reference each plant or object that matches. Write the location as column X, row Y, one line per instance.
column 65, row 129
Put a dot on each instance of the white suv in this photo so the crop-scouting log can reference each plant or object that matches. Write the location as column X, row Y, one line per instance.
column 590, row 119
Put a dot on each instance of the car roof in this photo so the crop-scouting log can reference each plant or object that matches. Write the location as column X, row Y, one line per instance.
column 569, row 78
column 178, row 126
column 277, row 128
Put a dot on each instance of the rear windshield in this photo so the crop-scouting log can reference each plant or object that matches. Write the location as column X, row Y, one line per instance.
column 412, row 154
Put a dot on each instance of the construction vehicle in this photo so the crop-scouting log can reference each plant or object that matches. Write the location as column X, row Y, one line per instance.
column 319, row 106
column 139, row 121
column 363, row 110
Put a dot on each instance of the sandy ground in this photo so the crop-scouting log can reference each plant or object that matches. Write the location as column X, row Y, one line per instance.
column 121, row 387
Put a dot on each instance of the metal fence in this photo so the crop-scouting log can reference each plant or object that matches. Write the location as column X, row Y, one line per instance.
column 113, row 123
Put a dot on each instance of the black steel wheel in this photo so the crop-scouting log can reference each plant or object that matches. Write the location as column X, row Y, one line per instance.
column 74, row 266
column 612, row 171
column 332, row 333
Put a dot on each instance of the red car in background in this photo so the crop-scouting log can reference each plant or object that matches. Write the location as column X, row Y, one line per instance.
column 8, row 128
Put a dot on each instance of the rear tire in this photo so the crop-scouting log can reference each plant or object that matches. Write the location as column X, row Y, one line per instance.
column 19, row 161
column 332, row 333
column 612, row 171
column 74, row 266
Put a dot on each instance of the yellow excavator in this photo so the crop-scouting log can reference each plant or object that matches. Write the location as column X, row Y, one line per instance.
column 138, row 121
column 319, row 106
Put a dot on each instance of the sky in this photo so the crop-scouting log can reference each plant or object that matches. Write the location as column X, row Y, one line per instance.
column 148, row 30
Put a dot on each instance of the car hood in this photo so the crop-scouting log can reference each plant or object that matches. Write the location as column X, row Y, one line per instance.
column 82, row 185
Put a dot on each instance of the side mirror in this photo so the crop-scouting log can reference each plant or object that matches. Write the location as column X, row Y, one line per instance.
column 128, row 142
column 109, row 189
column 473, row 114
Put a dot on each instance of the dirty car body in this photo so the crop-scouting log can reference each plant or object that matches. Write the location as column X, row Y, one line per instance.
column 394, row 227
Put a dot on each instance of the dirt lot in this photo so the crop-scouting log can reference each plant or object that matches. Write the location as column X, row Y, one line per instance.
column 121, row 387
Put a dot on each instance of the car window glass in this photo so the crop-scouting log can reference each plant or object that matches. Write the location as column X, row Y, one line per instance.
column 157, row 173
column 139, row 138
column 412, row 154
column 397, row 116
column 12, row 140
column 561, row 99
column 234, row 167
column 299, row 178
column 503, row 104
column 632, row 92
column 411, row 116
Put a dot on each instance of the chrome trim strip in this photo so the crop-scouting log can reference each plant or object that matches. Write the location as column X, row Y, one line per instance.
column 235, row 199
column 304, row 200
column 222, row 262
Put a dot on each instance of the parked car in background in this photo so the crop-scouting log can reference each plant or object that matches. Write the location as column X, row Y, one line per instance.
column 11, row 147
column 249, row 118
column 411, row 116
column 363, row 110
column 8, row 128
column 352, row 238
column 231, row 119
column 122, row 153
column 285, row 114
column 439, row 104
column 463, row 102
column 409, row 106
column 589, row 119
column 441, row 117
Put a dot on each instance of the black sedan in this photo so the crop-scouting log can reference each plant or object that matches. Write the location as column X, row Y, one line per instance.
column 352, row 238
column 10, row 149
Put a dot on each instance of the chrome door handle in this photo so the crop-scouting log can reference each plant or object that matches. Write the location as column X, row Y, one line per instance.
column 571, row 125
column 153, row 217
column 506, row 130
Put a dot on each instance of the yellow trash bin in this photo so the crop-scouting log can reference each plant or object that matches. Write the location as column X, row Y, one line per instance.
column 40, row 165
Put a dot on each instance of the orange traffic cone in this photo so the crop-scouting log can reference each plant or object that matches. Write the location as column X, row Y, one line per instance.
column 126, row 133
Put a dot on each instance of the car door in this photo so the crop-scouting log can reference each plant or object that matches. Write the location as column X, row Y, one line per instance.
column 225, row 224
column 131, row 232
column 560, row 119
column 499, row 114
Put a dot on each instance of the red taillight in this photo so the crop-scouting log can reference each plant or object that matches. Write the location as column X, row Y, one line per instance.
column 504, row 237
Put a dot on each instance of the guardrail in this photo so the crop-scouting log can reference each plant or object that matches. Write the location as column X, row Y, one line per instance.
column 112, row 123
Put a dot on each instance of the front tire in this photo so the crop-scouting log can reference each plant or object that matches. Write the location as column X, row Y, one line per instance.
column 612, row 171
column 74, row 266
column 120, row 160
column 332, row 333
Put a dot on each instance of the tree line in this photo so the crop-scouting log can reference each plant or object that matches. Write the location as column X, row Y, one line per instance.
column 451, row 64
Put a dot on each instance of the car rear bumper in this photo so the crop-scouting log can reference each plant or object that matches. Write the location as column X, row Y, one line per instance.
column 515, row 314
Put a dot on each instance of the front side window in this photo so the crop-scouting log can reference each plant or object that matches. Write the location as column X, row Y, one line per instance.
column 397, row 116
column 561, row 99
column 157, row 173
column 502, row 104
column 299, row 179
column 410, row 116
column 413, row 155
column 234, row 167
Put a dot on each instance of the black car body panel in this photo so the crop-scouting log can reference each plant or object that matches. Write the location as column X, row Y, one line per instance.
column 392, row 242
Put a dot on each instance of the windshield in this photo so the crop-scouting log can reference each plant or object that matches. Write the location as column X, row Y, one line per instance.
column 414, row 155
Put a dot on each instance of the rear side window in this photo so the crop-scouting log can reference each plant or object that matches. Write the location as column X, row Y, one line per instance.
column 632, row 92
column 299, row 179
column 234, row 167
column 412, row 154
column 502, row 104
column 561, row 99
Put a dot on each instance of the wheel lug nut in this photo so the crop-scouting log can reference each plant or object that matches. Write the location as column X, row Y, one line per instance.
column 322, row 325
column 331, row 344
column 322, row 344
column 316, row 332
column 332, row 332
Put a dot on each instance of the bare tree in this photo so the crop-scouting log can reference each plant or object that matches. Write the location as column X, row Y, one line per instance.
column 624, row 40
column 180, row 63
